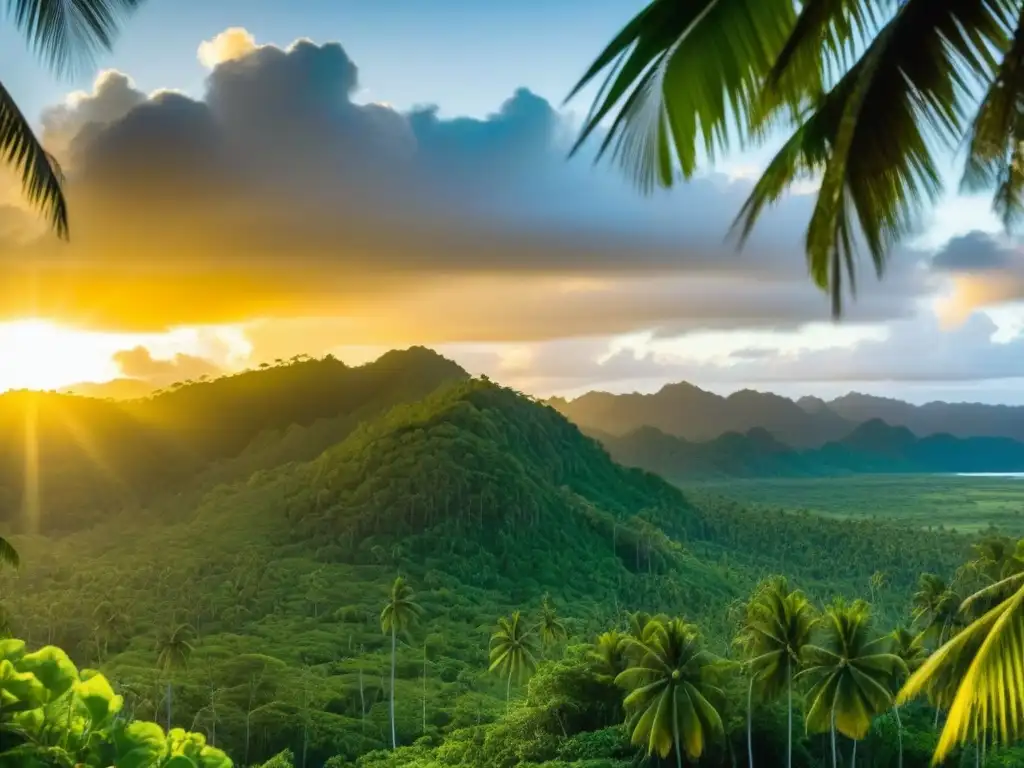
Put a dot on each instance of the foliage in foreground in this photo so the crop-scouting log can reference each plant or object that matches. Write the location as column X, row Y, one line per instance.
column 53, row 715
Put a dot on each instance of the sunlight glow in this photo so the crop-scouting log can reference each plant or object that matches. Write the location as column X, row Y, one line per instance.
column 37, row 354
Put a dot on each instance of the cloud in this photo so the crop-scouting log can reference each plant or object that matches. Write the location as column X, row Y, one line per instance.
column 232, row 43
column 139, row 363
column 278, row 196
column 910, row 355
column 975, row 252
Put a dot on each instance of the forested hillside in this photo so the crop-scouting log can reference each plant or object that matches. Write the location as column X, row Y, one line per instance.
column 66, row 461
column 486, row 502
column 873, row 447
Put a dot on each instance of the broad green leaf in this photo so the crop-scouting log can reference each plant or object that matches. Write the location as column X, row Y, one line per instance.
column 99, row 698
column 53, row 669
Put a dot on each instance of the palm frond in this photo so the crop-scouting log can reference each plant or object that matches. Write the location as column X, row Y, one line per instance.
column 986, row 661
column 41, row 177
column 686, row 75
column 69, row 33
column 994, row 156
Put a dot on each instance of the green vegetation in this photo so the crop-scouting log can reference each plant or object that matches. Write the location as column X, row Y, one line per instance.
column 53, row 715
column 248, row 607
column 874, row 94
column 968, row 504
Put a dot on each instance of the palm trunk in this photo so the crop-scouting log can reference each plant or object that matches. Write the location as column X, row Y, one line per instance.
column 394, row 741
column 750, row 723
column 789, row 706
column 362, row 701
column 169, row 694
column 899, row 734
column 508, row 690
column 675, row 734
column 424, row 687
column 853, row 756
column 833, row 729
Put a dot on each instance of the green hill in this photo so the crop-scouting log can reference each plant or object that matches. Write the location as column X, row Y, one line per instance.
column 66, row 461
column 484, row 499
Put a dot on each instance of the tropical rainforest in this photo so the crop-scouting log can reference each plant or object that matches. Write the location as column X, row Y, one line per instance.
column 396, row 564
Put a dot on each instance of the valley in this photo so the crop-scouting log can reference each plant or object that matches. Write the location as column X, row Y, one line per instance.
column 266, row 515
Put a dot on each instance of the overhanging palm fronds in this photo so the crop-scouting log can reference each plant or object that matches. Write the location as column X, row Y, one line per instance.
column 983, row 664
column 68, row 33
column 65, row 33
column 872, row 90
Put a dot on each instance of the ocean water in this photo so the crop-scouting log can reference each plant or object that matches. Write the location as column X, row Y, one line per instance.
column 1018, row 475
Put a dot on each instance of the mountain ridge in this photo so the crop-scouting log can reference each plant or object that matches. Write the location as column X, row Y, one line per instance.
column 694, row 414
column 872, row 447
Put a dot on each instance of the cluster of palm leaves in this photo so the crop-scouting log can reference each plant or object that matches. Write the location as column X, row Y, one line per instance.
column 848, row 673
column 872, row 93
column 976, row 673
column 514, row 644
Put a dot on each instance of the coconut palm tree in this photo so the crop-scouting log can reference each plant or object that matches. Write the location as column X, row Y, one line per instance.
column 849, row 670
column 910, row 648
column 873, row 92
column 513, row 651
column 552, row 630
column 609, row 652
column 174, row 648
column 777, row 627
column 400, row 613
column 978, row 671
column 671, row 691
column 64, row 34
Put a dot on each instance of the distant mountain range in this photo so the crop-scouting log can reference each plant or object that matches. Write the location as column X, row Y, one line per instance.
column 686, row 411
column 872, row 447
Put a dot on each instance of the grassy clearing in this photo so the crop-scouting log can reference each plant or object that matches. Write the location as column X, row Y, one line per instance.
column 967, row 504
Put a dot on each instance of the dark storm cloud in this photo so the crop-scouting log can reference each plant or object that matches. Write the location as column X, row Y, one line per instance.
column 277, row 195
column 975, row 252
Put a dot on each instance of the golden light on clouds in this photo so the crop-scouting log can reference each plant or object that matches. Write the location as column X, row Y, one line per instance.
column 232, row 43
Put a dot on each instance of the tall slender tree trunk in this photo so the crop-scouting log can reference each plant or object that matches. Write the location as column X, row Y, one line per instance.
column 394, row 741
column 789, row 707
column 899, row 735
column 853, row 755
column 750, row 722
column 508, row 690
column 424, row 686
column 833, row 729
column 170, row 692
column 675, row 734
column 362, row 700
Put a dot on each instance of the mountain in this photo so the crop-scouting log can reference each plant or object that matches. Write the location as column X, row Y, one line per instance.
column 957, row 419
column 65, row 459
column 873, row 446
column 692, row 413
column 484, row 500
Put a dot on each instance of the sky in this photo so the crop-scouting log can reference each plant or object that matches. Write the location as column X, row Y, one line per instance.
column 253, row 180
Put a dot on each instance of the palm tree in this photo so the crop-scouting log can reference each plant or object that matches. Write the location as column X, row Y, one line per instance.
column 174, row 648
column 979, row 672
column 871, row 89
column 65, row 34
column 609, row 652
column 671, row 685
column 849, row 670
column 513, row 652
column 398, row 615
column 910, row 648
column 551, row 627
column 776, row 629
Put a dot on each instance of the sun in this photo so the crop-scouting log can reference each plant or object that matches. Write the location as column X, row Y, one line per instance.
column 39, row 354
